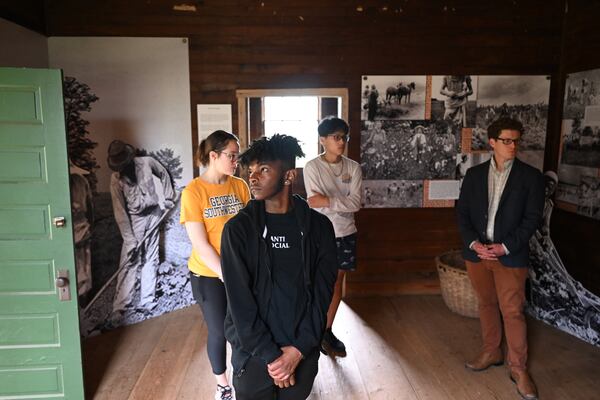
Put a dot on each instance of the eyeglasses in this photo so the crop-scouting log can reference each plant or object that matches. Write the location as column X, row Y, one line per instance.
column 508, row 142
column 340, row 138
column 231, row 156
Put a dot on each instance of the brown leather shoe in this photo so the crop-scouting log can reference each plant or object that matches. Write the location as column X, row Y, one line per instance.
column 485, row 360
column 525, row 385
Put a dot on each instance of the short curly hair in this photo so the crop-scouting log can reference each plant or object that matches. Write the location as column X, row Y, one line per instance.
column 504, row 123
column 278, row 147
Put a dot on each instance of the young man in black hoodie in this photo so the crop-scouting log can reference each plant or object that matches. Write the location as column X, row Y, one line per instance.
column 279, row 267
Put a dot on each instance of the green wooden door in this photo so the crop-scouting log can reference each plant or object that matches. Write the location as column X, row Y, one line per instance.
column 40, row 351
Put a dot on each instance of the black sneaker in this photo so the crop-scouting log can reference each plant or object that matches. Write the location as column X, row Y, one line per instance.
column 331, row 345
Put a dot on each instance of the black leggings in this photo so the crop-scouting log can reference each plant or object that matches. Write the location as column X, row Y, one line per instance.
column 209, row 293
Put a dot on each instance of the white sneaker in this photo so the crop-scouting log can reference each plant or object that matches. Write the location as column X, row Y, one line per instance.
column 224, row 393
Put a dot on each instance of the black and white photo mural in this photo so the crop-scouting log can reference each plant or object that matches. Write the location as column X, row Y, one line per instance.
column 554, row 296
column 394, row 97
column 409, row 150
column 579, row 160
column 453, row 97
column 423, row 132
column 127, row 103
column 524, row 98
column 395, row 193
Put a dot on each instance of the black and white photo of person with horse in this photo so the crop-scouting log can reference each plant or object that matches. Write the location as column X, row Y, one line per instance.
column 393, row 97
column 401, row 93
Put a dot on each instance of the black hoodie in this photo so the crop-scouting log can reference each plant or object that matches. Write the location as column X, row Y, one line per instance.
column 248, row 281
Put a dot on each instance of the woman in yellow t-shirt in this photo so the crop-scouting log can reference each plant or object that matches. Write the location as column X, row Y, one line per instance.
column 207, row 203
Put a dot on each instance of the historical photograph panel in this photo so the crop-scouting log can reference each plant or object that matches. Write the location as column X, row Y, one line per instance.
column 454, row 97
column 393, row 97
column 588, row 195
column 412, row 150
column 580, row 143
column 535, row 158
column 581, row 91
column 554, row 296
column 129, row 159
column 571, row 174
column 524, row 98
column 392, row 194
column 569, row 180
column 466, row 161
column 567, row 193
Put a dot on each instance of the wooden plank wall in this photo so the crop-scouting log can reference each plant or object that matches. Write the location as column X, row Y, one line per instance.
column 303, row 43
column 575, row 236
column 27, row 13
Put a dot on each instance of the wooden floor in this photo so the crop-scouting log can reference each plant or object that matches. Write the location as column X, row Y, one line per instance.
column 408, row 347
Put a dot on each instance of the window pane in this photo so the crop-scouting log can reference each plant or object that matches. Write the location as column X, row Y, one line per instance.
column 304, row 131
column 291, row 108
column 297, row 117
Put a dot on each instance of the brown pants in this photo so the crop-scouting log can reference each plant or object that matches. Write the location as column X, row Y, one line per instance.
column 497, row 285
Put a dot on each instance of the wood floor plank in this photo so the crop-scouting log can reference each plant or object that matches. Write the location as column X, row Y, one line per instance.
column 402, row 339
column 381, row 367
column 199, row 373
column 399, row 348
column 165, row 369
column 563, row 366
column 450, row 339
column 340, row 378
column 115, row 360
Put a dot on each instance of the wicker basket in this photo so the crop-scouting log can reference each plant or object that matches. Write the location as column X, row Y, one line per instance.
column 457, row 292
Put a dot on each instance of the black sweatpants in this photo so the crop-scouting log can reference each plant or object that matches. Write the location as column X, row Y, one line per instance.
column 209, row 293
column 254, row 383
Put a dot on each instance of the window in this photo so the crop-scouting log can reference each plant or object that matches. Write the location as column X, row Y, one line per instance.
column 252, row 115
column 297, row 116
column 294, row 112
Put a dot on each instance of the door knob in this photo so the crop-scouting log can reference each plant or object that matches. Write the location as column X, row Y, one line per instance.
column 61, row 282
column 63, row 285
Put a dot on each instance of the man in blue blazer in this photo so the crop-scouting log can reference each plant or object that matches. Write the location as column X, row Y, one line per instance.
column 500, row 207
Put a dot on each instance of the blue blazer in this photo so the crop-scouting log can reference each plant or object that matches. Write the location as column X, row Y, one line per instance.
column 519, row 212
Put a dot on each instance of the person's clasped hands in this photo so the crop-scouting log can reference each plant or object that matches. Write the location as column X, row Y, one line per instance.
column 282, row 369
column 488, row 251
